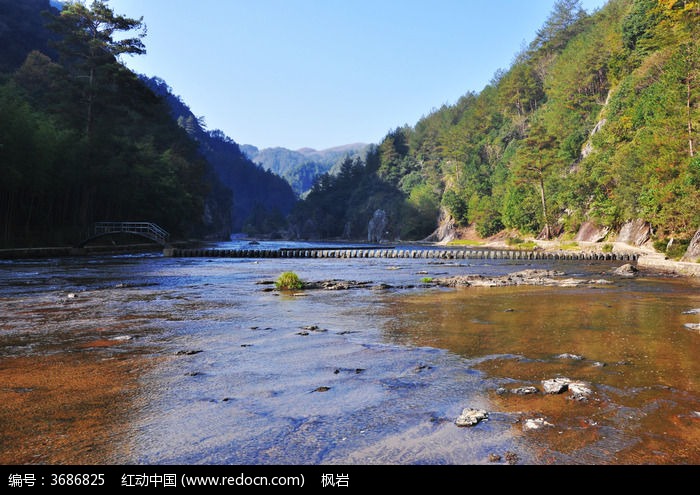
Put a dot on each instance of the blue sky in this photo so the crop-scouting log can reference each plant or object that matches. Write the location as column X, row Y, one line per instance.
column 322, row 73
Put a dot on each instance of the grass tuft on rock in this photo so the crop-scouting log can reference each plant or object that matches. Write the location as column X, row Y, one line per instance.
column 289, row 281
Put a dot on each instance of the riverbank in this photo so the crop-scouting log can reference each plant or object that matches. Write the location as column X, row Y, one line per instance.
column 62, row 252
column 647, row 258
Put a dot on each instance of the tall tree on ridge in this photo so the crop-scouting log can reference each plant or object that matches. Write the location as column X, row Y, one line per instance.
column 87, row 44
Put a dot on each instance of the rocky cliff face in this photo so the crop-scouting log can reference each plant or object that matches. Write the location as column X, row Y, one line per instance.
column 590, row 232
column 635, row 233
column 377, row 227
column 693, row 252
column 446, row 230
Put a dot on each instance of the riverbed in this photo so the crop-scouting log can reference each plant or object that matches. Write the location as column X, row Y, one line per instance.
column 145, row 359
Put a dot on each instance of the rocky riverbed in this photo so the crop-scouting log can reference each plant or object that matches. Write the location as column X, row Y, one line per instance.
column 167, row 361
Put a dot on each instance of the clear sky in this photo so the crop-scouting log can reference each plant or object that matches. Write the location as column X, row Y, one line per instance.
column 323, row 73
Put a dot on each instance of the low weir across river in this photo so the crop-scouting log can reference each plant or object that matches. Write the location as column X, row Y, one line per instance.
column 404, row 253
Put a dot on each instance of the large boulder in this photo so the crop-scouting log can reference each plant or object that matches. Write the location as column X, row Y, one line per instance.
column 693, row 252
column 377, row 227
column 590, row 232
column 636, row 232
column 446, row 230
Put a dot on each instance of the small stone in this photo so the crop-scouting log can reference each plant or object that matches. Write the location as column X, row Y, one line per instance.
column 494, row 458
column 524, row 390
column 471, row 417
column 322, row 389
column 536, row 424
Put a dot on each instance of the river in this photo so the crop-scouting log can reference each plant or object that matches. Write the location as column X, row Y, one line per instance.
column 146, row 359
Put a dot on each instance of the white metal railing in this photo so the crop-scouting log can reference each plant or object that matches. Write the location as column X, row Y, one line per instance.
column 146, row 229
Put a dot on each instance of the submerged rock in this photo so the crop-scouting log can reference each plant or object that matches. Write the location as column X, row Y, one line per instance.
column 471, row 417
column 336, row 285
column 524, row 390
column 574, row 357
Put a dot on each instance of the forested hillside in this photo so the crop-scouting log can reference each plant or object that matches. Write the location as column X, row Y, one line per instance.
column 261, row 199
column 300, row 168
column 596, row 120
column 84, row 139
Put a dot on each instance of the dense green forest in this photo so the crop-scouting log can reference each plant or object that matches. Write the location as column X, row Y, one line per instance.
column 84, row 139
column 261, row 199
column 596, row 120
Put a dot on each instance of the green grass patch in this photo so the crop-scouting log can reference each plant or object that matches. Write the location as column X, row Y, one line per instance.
column 289, row 281
column 519, row 243
column 426, row 280
column 607, row 248
column 465, row 242
column 569, row 246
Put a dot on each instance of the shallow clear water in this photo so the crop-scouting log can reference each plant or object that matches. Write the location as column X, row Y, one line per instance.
column 238, row 374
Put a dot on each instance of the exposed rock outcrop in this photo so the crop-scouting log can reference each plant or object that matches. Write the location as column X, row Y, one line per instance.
column 446, row 230
column 636, row 232
column 377, row 227
column 693, row 252
column 525, row 277
column 590, row 232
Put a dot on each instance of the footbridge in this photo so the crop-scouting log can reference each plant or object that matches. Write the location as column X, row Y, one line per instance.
column 445, row 254
column 147, row 230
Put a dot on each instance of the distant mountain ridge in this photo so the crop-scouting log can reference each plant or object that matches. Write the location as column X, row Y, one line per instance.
column 260, row 198
column 303, row 166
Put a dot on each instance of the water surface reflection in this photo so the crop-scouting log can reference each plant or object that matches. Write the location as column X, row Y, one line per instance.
column 628, row 341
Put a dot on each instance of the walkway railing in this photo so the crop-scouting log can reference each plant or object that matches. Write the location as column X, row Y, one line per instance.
column 145, row 229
